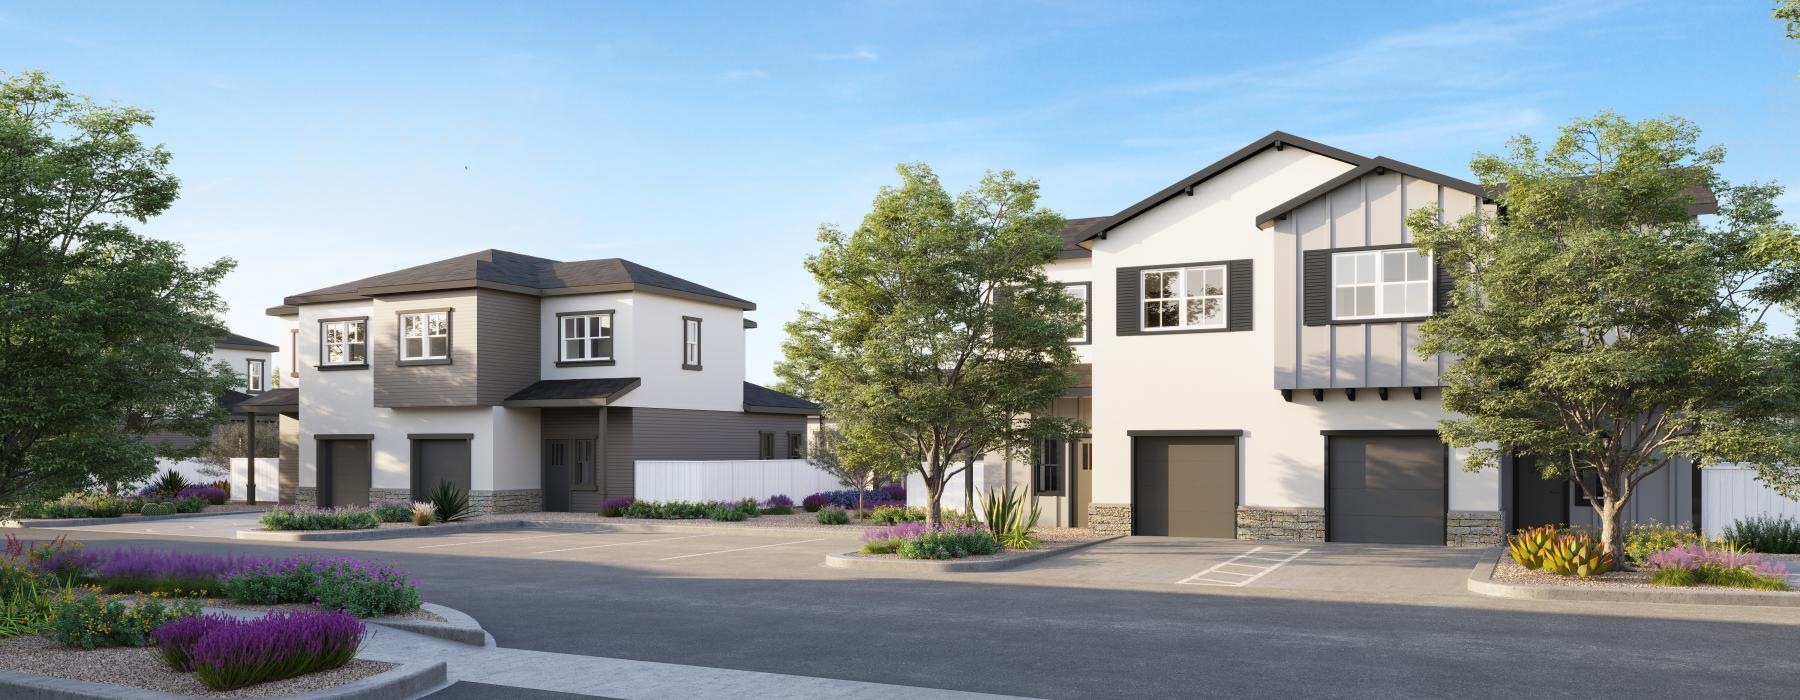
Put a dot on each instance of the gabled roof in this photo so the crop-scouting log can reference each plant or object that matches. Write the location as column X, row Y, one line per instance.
column 1276, row 140
column 1377, row 166
column 233, row 341
column 508, row 271
column 761, row 399
column 1073, row 233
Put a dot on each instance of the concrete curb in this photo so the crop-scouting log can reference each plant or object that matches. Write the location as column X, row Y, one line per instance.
column 1481, row 581
column 399, row 683
column 496, row 525
column 78, row 522
column 456, row 627
column 971, row 564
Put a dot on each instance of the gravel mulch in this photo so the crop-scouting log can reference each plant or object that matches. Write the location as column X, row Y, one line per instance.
column 1509, row 571
column 420, row 614
column 137, row 667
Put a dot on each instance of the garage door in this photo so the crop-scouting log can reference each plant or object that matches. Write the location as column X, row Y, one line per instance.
column 436, row 461
column 1386, row 489
column 346, row 472
column 1185, row 486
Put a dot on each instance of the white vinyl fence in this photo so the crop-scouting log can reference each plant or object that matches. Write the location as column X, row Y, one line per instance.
column 268, row 479
column 1728, row 493
column 953, row 488
column 729, row 480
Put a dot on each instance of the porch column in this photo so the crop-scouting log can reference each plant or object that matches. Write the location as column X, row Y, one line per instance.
column 600, row 456
column 250, row 459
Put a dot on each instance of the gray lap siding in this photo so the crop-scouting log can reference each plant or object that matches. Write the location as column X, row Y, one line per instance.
column 634, row 434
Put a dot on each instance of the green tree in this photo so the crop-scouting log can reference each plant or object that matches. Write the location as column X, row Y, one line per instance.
column 1788, row 11
column 104, row 334
column 942, row 330
column 229, row 442
column 1602, row 328
column 854, row 464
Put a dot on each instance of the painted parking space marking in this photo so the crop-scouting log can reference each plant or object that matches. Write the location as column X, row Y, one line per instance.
column 742, row 549
column 502, row 539
column 1219, row 575
column 621, row 544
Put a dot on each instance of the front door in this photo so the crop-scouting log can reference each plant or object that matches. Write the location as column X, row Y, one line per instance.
column 1537, row 500
column 1081, row 487
column 556, row 474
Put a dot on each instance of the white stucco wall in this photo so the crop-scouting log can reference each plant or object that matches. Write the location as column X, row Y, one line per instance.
column 1076, row 270
column 236, row 359
column 1216, row 381
column 647, row 345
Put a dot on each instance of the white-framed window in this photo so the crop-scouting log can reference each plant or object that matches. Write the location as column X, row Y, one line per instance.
column 1380, row 284
column 344, row 342
column 585, row 337
column 1079, row 290
column 690, row 342
column 1186, row 297
column 425, row 335
column 254, row 372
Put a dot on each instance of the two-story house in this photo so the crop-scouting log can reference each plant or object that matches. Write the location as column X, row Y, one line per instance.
column 534, row 384
column 1250, row 366
column 252, row 359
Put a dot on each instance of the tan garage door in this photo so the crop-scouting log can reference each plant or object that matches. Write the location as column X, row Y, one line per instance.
column 1185, row 486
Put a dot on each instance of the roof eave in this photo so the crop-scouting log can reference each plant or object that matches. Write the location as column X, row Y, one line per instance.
column 1377, row 165
column 751, row 408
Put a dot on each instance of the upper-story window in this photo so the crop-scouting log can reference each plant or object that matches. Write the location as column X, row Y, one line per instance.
column 585, row 336
column 690, row 343
column 425, row 335
column 1079, row 290
column 1375, row 284
column 1192, row 297
column 254, row 372
column 343, row 342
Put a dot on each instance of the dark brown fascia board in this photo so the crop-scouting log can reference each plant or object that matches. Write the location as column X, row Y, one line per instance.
column 749, row 323
column 367, row 292
column 748, row 408
column 555, row 403
column 440, row 436
column 1184, row 433
column 1282, row 138
column 251, row 348
column 1075, row 254
column 1382, row 163
column 282, row 310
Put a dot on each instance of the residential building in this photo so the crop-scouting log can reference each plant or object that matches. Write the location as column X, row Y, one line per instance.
column 534, row 384
column 252, row 359
column 1249, row 366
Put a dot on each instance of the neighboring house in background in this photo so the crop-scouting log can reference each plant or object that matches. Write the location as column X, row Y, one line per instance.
column 1248, row 366
column 252, row 360
column 535, row 384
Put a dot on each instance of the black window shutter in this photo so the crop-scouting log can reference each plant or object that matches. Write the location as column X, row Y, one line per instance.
column 1127, row 298
column 1240, row 295
column 1445, row 283
column 1315, row 302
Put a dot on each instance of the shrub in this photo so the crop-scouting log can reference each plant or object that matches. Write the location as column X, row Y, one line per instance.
column 834, row 516
column 354, row 586
column 1009, row 520
column 158, row 571
column 1529, row 546
column 62, row 557
column 103, row 506
column 779, row 500
column 213, row 495
column 308, row 518
column 227, row 653
column 392, row 511
column 189, row 505
column 451, row 502
column 948, row 544
column 729, row 514
column 1645, row 539
column 1692, row 564
column 886, row 540
column 65, row 508
column 1577, row 554
column 423, row 514
column 153, row 508
column 846, row 498
column 25, row 598
column 813, row 503
column 1766, row 534
column 133, row 504
column 615, row 507
column 168, row 483
column 893, row 515
column 682, row 510
column 90, row 621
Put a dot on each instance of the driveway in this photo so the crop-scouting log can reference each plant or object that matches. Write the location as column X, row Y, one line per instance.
column 1203, row 565
column 217, row 526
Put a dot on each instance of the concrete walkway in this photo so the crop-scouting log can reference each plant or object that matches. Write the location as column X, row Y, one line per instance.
column 620, row 678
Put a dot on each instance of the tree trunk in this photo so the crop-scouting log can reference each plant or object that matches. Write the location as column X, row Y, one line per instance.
column 1611, row 535
column 934, row 490
column 969, row 485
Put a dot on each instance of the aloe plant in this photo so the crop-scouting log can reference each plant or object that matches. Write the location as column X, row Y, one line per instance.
column 1528, row 546
column 1579, row 555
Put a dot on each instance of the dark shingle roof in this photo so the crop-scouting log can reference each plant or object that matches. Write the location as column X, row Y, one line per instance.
column 769, row 400
column 233, row 341
column 521, row 273
column 595, row 391
column 271, row 401
column 1073, row 233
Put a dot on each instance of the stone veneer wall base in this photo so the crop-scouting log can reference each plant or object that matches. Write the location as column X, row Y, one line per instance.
column 507, row 501
column 306, row 495
column 1474, row 528
column 1109, row 518
column 1281, row 524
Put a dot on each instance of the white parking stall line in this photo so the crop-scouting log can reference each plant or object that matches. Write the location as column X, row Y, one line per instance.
column 1276, row 560
column 621, row 544
column 741, row 549
column 502, row 539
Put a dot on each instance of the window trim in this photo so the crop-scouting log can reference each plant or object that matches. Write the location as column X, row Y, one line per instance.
column 765, row 444
column 294, row 351
column 1331, row 286
column 1224, row 296
column 325, row 366
column 1087, row 304
column 400, row 338
column 699, row 349
column 796, row 445
column 1048, row 447
column 595, row 467
column 254, row 381
column 612, row 327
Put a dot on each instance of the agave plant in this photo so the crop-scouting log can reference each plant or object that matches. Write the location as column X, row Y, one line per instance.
column 450, row 502
column 1527, row 546
column 1579, row 555
column 170, row 482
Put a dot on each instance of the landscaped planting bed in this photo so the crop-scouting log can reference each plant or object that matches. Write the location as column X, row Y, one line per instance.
column 138, row 667
column 1655, row 557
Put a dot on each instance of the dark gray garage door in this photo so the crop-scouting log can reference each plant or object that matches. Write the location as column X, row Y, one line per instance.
column 439, row 460
column 1185, row 486
column 1386, row 489
column 345, row 469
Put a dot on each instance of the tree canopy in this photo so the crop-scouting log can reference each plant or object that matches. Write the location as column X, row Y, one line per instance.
column 1602, row 328
column 942, row 334
column 104, row 333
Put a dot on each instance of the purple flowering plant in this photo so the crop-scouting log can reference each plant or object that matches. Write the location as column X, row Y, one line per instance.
column 226, row 653
column 615, row 507
column 1697, row 563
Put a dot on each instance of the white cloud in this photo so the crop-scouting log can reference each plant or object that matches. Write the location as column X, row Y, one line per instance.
column 861, row 53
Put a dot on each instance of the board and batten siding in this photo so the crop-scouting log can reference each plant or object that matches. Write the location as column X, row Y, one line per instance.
column 508, row 344
column 416, row 386
column 1367, row 212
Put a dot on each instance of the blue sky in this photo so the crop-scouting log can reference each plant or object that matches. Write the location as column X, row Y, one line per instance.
column 322, row 142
